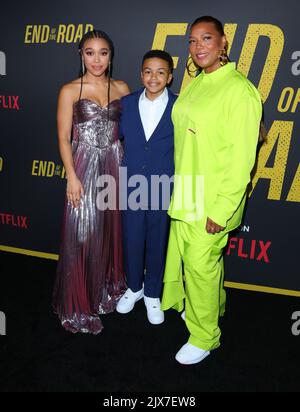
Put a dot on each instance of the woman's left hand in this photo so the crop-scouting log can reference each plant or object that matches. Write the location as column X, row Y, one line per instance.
column 212, row 227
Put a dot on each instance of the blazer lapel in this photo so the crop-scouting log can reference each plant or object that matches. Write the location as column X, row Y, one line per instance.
column 138, row 115
column 165, row 115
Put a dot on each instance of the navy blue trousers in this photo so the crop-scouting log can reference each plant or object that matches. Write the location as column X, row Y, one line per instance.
column 145, row 240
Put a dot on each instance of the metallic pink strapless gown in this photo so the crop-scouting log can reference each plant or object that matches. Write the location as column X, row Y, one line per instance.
column 90, row 275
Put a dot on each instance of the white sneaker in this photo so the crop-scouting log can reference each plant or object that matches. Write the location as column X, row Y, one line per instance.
column 128, row 300
column 155, row 315
column 190, row 354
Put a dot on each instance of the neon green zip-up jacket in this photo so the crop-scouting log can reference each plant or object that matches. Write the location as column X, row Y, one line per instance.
column 216, row 124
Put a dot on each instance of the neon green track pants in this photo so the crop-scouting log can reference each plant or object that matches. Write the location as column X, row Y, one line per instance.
column 193, row 279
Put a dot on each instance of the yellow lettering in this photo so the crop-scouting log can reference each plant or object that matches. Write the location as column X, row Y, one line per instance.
column 281, row 132
column 35, row 165
column 28, row 34
column 1, row 164
column 296, row 101
column 63, row 173
column 289, row 93
column 42, row 168
column 45, row 34
column 276, row 37
column 79, row 33
column 89, row 27
column 294, row 193
column 61, row 33
column 230, row 30
column 163, row 30
column 36, row 34
column 70, row 33
column 50, row 169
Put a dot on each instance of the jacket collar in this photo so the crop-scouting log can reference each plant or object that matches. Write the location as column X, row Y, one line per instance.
column 217, row 74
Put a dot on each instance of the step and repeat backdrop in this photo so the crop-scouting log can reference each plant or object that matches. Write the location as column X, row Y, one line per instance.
column 38, row 54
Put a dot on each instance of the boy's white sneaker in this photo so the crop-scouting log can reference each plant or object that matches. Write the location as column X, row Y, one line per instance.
column 128, row 300
column 154, row 313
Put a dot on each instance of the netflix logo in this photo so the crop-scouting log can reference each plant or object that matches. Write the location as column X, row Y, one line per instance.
column 9, row 102
column 258, row 250
column 14, row 220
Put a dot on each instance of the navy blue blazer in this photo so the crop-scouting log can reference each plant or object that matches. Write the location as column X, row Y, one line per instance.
column 152, row 157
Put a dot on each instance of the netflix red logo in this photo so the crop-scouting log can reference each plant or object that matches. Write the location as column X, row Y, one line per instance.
column 9, row 102
column 254, row 249
column 13, row 220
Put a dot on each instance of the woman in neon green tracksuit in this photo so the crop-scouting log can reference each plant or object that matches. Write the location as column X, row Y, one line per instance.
column 216, row 120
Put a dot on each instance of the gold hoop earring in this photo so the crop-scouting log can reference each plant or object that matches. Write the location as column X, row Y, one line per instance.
column 191, row 68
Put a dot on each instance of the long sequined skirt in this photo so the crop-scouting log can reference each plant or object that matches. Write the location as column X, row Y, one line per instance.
column 90, row 275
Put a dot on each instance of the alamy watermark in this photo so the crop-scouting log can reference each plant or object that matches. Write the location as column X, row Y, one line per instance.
column 154, row 193
column 2, row 323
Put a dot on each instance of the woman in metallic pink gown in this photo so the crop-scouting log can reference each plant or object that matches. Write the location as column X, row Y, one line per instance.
column 90, row 276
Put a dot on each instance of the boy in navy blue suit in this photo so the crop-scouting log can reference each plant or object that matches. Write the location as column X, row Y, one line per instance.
column 147, row 129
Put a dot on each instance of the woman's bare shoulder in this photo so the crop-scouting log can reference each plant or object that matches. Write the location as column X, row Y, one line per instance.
column 71, row 89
